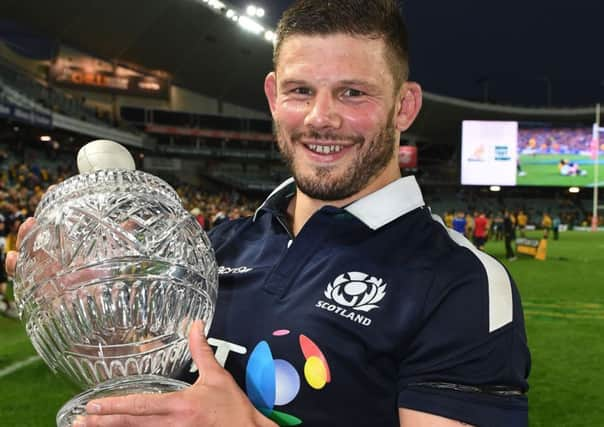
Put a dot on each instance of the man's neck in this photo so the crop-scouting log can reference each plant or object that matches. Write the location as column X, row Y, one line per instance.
column 302, row 207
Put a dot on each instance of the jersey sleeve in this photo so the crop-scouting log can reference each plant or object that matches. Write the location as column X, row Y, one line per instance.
column 469, row 359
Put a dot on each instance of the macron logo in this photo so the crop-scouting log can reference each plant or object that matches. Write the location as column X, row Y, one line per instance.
column 233, row 270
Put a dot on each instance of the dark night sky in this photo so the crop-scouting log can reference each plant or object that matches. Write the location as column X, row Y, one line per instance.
column 529, row 52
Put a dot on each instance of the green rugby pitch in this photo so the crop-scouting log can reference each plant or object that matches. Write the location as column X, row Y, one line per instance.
column 542, row 170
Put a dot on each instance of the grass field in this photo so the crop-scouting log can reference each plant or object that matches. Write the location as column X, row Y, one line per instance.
column 564, row 307
column 542, row 169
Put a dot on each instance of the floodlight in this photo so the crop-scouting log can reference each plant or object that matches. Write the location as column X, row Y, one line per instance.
column 269, row 36
column 250, row 25
column 251, row 10
column 259, row 12
column 230, row 13
column 216, row 4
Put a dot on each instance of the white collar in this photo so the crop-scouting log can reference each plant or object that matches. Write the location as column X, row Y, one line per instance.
column 289, row 181
column 378, row 208
column 388, row 203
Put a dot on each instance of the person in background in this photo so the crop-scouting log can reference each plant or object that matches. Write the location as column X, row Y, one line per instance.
column 522, row 219
column 448, row 218
column 546, row 223
column 556, row 226
column 469, row 232
column 196, row 212
column 481, row 228
column 509, row 234
column 459, row 223
column 498, row 226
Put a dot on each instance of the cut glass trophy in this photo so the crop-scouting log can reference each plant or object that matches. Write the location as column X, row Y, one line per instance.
column 110, row 279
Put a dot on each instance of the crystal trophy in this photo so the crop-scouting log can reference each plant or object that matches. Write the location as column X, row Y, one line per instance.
column 110, row 278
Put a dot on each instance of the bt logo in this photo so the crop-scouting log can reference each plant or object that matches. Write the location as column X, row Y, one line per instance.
column 274, row 382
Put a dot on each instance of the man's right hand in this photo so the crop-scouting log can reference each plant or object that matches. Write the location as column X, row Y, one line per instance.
column 11, row 256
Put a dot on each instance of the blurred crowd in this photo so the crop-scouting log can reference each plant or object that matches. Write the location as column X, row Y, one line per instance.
column 563, row 140
column 213, row 209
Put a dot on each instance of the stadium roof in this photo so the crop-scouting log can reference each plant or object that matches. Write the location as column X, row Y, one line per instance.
column 529, row 53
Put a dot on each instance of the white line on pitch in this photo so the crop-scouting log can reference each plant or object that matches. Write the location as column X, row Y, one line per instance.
column 16, row 366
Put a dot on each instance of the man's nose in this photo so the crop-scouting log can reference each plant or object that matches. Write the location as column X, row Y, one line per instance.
column 322, row 112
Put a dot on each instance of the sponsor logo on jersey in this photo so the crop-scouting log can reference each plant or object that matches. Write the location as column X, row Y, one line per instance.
column 271, row 382
column 352, row 294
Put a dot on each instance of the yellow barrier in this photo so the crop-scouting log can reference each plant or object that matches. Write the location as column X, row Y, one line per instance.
column 534, row 248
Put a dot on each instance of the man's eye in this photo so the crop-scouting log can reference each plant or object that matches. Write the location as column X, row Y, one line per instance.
column 353, row 93
column 301, row 91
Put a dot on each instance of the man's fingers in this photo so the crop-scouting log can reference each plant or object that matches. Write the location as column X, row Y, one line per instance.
column 136, row 404
column 11, row 263
column 24, row 229
column 201, row 352
column 122, row 421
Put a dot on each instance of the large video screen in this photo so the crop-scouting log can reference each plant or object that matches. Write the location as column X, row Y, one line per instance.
column 527, row 154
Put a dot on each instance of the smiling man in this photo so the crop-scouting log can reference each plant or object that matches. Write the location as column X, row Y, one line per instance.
column 343, row 301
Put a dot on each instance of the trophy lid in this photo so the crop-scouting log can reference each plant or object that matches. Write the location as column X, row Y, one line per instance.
column 106, row 166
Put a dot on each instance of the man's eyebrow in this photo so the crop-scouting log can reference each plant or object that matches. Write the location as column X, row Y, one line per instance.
column 353, row 82
column 293, row 82
column 372, row 87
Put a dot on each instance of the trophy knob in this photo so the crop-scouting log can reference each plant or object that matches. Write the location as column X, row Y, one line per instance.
column 104, row 154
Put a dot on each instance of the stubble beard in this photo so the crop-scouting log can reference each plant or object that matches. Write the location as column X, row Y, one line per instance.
column 325, row 182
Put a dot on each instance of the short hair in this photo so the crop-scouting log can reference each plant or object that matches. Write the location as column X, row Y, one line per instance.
column 379, row 19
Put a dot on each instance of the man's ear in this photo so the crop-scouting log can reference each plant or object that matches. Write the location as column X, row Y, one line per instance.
column 409, row 105
column 270, row 90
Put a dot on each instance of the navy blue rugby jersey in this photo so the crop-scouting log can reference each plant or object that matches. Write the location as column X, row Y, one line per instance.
column 370, row 308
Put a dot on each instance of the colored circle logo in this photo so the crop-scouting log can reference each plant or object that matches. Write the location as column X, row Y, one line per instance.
column 274, row 382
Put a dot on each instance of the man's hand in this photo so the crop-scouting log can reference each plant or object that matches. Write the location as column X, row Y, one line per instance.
column 214, row 400
column 11, row 256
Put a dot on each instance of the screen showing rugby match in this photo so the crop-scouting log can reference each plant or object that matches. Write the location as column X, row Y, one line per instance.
column 526, row 154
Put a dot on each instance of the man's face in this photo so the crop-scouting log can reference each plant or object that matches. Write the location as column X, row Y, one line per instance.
column 334, row 114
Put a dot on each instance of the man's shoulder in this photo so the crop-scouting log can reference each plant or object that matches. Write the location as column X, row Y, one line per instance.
column 228, row 229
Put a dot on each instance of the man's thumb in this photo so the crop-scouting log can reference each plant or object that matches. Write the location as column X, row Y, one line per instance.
column 201, row 352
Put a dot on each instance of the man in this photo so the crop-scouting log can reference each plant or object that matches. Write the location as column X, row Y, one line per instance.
column 569, row 168
column 481, row 229
column 355, row 307
column 556, row 226
column 509, row 234
column 522, row 219
column 459, row 223
column 448, row 218
column 546, row 223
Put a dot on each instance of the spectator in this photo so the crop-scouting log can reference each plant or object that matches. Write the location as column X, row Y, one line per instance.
column 522, row 219
column 459, row 223
column 509, row 234
column 556, row 226
column 480, row 230
column 546, row 223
